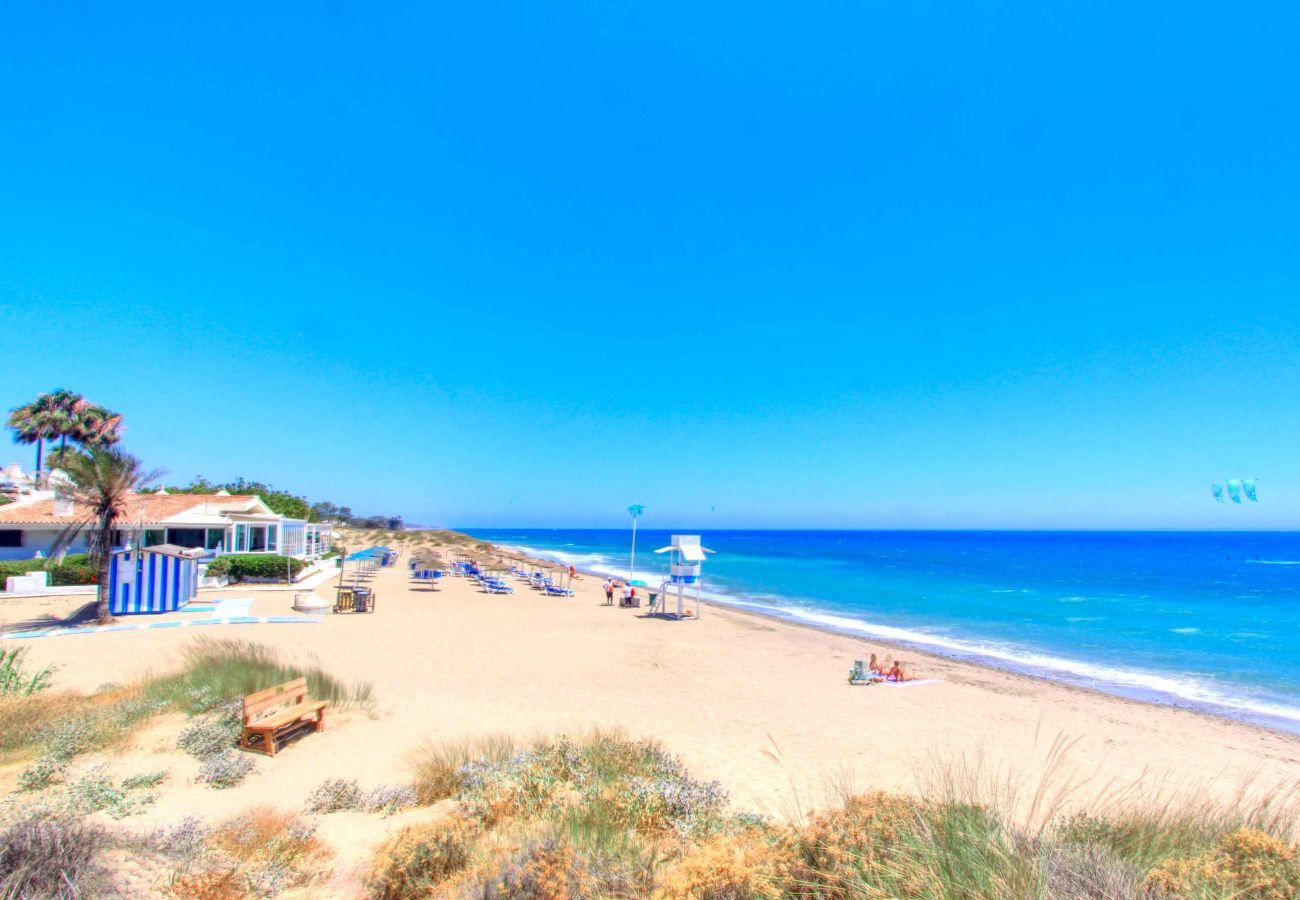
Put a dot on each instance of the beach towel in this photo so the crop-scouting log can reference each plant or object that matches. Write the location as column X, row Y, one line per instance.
column 918, row 681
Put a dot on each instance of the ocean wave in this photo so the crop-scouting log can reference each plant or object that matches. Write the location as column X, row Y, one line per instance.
column 1185, row 630
column 1274, row 562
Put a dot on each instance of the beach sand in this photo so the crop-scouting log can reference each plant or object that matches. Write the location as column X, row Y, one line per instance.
column 761, row 705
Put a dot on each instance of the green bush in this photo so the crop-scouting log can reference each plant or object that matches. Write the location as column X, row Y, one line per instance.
column 15, row 681
column 75, row 569
column 240, row 567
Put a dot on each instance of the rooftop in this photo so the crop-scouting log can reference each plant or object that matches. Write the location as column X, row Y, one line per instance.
column 142, row 509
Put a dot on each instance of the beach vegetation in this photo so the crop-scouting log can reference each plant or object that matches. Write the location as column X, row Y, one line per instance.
column 96, row 791
column 600, row 815
column 260, row 853
column 225, row 769
column 15, row 680
column 418, row 858
column 48, row 855
column 340, row 794
column 210, row 735
column 225, row 670
column 55, row 727
column 437, row 765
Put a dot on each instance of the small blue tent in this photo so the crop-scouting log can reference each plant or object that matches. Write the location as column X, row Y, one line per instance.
column 155, row 579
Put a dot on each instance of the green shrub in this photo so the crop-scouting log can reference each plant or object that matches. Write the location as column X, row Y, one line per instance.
column 240, row 567
column 225, row 769
column 75, row 569
column 95, row 791
column 210, row 735
column 14, row 681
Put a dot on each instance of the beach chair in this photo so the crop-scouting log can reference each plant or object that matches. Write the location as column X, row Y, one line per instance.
column 860, row 674
column 553, row 590
column 497, row 587
column 343, row 602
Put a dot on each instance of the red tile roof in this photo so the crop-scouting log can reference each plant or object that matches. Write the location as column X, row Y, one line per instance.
column 145, row 509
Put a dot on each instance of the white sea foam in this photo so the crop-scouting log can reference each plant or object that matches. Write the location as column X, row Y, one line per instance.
column 1185, row 630
column 1274, row 562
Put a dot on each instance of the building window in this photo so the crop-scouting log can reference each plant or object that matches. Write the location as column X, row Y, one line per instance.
column 11, row 538
column 216, row 539
column 155, row 536
column 185, row 537
column 241, row 538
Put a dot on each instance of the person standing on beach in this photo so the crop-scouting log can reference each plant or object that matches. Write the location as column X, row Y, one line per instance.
column 609, row 592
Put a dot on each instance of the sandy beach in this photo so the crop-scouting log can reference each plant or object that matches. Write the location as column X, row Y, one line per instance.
column 760, row 705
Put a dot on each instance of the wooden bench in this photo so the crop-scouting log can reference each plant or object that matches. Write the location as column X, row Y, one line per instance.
column 277, row 715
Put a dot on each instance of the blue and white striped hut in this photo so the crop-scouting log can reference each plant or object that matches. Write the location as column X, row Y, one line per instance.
column 155, row 579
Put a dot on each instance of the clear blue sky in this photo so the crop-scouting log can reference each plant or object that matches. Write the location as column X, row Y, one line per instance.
column 850, row 264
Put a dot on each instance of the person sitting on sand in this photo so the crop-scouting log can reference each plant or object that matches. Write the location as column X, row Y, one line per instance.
column 897, row 673
column 874, row 667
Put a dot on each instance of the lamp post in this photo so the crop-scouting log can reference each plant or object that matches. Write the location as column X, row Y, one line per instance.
column 635, row 509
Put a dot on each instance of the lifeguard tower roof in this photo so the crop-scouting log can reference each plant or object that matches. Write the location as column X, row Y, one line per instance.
column 688, row 545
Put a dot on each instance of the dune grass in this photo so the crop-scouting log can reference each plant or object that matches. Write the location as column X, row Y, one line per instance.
column 599, row 815
column 216, row 670
column 59, row 725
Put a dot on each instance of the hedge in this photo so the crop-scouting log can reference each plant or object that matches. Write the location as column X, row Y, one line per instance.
column 240, row 566
column 75, row 569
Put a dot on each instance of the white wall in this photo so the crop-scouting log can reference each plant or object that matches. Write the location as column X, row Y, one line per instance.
column 42, row 540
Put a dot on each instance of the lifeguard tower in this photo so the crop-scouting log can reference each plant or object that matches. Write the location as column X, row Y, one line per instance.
column 685, row 558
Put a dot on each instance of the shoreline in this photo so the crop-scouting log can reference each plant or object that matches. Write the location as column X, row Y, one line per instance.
column 1270, row 723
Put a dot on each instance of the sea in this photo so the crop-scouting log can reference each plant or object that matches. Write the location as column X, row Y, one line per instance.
column 1208, row 621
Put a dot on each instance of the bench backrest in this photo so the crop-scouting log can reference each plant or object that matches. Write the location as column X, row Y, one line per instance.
column 289, row 693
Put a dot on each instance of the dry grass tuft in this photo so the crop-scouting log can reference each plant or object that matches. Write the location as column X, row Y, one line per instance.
column 438, row 764
column 420, row 857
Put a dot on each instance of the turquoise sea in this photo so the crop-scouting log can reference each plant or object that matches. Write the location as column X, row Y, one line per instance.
column 1203, row 620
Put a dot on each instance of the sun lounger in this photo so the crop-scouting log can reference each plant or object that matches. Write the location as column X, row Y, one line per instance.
column 556, row 591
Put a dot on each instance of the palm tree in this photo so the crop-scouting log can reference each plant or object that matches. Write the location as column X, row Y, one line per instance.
column 103, row 480
column 93, row 425
column 47, row 417
column 65, row 415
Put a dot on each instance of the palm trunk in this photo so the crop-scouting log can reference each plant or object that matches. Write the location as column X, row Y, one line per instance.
column 104, row 540
column 36, row 476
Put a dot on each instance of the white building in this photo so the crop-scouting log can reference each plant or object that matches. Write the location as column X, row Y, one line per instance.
column 218, row 523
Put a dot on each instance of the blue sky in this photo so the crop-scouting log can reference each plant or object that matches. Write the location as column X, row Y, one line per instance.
column 851, row 265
